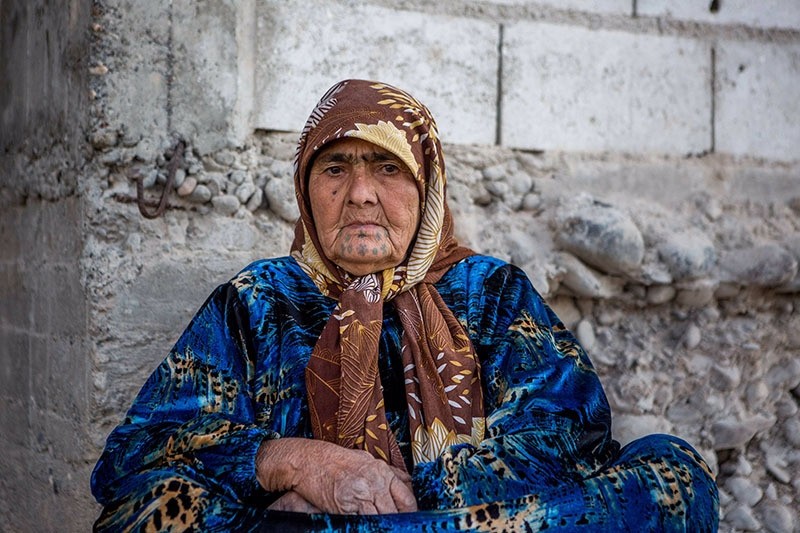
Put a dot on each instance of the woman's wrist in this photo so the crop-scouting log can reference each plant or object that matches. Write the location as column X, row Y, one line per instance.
column 275, row 468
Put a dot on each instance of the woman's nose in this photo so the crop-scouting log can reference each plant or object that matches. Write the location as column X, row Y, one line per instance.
column 362, row 187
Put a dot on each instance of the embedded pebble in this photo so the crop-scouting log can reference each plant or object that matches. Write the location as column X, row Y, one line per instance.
column 743, row 466
column 611, row 316
column 767, row 265
column 582, row 280
column 786, row 407
column 791, row 429
column 281, row 199
column 689, row 254
column 194, row 168
column 757, row 394
column 498, row 188
column 226, row 204
column 178, row 178
column 215, row 182
column 727, row 291
column 200, row 195
column 104, row 138
column 255, row 200
column 238, row 177
column 150, row 179
column 187, row 187
column 745, row 491
column 696, row 294
column 785, row 374
column 778, row 518
column 111, row 158
column 520, row 183
column 225, row 158
column 730, row 433
column 245, row 191
column 494, row 172
column 660, row 294
column 603, row 237
column 712, row 209
column 282, row 169
column 776, row 466
column 742, row 518
column 146, row 150
column 710, row 314
column 725, row 378
column 692, row 337
column 531, row 202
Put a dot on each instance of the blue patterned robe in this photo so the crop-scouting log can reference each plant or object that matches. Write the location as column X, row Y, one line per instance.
column 185, row 452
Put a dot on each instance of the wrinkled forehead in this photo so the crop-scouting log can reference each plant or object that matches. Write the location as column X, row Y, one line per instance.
column 353, row 151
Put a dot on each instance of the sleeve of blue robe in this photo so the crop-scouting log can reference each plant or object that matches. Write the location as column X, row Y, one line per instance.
column 547, row 415
column 195, row 410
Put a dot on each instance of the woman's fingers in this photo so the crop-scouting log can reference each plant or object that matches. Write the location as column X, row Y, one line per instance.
column 403, row 496
column 333, row 479
column 384, row 503
column 291, row 501
column 404, row 476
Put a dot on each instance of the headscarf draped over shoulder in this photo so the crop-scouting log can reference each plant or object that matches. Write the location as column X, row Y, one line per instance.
column 442, row 381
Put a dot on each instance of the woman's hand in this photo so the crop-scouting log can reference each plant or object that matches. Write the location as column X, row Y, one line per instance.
column 333, row 479
column 291, row 501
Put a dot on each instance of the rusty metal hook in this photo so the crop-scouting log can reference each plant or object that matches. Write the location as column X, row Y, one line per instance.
column 174, row 162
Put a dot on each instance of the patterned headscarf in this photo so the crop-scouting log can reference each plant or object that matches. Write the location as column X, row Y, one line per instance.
column 441, row 370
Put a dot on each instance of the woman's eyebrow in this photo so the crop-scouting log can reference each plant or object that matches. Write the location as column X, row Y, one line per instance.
column 345, row 157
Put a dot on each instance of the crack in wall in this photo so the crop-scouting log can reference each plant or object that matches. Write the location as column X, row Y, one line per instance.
column 713, row 103
column 498, row 138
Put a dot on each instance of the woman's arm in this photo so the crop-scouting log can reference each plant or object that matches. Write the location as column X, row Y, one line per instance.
column 547, row 416
column 195, row 409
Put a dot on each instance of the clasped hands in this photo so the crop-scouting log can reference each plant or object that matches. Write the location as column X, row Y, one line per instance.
column 319, row 476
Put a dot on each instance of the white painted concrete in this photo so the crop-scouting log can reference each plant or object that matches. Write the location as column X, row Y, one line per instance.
column 570, row 88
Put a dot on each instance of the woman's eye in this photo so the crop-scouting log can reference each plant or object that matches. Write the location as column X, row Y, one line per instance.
column 390, row 168
column 334, row 171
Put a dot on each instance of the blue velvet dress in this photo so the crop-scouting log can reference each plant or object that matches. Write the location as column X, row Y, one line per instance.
column 184, row 456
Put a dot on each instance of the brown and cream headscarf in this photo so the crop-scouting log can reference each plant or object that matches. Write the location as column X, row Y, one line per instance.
column 441, row 370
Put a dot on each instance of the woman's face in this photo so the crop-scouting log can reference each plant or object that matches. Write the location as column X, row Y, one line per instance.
column 365, row 205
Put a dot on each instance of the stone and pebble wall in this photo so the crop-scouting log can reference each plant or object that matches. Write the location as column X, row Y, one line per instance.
column 689, row 309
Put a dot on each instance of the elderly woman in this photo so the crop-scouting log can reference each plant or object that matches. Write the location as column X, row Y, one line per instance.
column 383, row 377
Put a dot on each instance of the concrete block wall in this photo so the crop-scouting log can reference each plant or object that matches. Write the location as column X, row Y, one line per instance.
column 766, row 14
column 43, row 69
column 44, row 367
column 757, row 108
column 579, row 76
column 448, row 62
column 590, row 90
column 44, row 342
